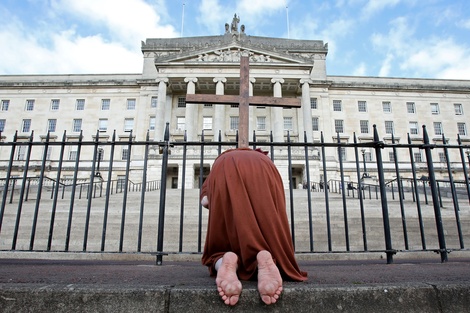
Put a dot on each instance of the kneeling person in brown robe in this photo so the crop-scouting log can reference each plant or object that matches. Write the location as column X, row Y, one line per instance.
column 248, row 234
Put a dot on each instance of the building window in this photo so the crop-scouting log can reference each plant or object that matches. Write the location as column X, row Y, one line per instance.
column 313, row 103
column 124, row 153
column 105, row 104
column 387, row 106
column 391, row 156
column 121, row 181
column 21, row 152
column 342, row 153
column 26, row 126
column 103, row 124
column 154, row 102
column 2, row 125
column 437, row 128
column 442, row 157
column 410, row 107
column 435, row 108
column 261, row 123
column 29, row 105
column 180, row 123
column 288, row 123
column 208, row 105
column 234, row 122
column 462, row 129
column 458, row 108
column 339, row 126
column 337, row 105
column 414, row 129
column 152, row 122
column 207, row 122
column 51, row 125
column 181, row 102
column 49, row 153
column 315, row 124
column 5, row 105
column 417, row 157
column 80, row 105
column 73, row 154
column 77, row 125
column 364, row 124
column 131, row 104
column 55, row 104
column 128, row 124
column 389, row 127
column 362, row 106
column 368, row 156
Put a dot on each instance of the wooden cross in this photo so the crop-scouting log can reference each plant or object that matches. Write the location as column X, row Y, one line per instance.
column 244, row 100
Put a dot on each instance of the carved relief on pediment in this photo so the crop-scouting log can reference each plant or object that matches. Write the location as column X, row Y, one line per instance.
column 231, row 55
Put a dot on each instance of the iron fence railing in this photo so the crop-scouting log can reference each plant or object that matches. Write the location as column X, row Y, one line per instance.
column 120, row 196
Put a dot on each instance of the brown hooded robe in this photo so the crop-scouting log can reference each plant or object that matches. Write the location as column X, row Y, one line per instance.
column 247, row 214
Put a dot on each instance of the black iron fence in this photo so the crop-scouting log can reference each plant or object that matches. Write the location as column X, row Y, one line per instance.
column 112, row 196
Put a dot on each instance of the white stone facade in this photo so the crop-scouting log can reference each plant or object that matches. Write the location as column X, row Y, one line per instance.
column 172, row 68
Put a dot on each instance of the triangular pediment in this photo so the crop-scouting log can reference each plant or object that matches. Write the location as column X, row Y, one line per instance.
column 227, row 49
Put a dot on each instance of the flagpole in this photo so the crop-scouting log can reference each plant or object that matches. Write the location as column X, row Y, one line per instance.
column 182, row 21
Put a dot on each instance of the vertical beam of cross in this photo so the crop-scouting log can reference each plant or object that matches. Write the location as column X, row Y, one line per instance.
column 244, row 100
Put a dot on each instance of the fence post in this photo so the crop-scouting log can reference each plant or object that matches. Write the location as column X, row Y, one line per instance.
column 22, row 191
column 183, row 189
column 400, row 195
column 416, row 194
column 309, row 193
column 325, row 190
column 55, row 192
column 39, row 193
column 7, row 179
column 360, row 194
column 164, row 146
column 435, row 199
column 343, row 194
column 454, row 193
column 464, row 166
column 378, row 145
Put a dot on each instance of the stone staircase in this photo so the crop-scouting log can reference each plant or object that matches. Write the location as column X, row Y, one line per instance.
column 193, row 233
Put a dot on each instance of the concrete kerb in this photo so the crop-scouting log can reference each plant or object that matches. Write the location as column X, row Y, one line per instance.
column 405, row 298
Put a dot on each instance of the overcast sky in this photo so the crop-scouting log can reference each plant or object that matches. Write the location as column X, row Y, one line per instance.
column 389, row 38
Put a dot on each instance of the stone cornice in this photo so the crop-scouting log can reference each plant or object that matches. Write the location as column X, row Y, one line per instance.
column 206, row 48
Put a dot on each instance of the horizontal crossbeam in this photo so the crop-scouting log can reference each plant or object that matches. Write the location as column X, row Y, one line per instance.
column 235, row 99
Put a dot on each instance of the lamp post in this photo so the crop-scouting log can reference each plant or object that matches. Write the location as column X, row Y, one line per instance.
column 468, row 157
column 100, row 155
column 364, row 162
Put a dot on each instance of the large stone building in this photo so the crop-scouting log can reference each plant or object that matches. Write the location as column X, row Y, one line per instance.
column 173, row 68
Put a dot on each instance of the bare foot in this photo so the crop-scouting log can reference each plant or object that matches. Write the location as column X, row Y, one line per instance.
column 269, row 278
column 228, row 285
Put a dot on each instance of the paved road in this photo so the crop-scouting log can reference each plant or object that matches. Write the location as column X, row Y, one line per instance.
column 192, row 273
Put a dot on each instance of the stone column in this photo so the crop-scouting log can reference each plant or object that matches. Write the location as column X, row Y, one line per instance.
column 252, row 119
column 160, row 122
column 277, row 121
column 191, row 118
column 306, row 110
column 219, row 109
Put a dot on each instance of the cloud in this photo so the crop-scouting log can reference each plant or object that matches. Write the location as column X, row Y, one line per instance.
column 375, row 6
column 360, row 70
column 127, row 21
column 108, row 41
column 213, row 16
column 434, row 57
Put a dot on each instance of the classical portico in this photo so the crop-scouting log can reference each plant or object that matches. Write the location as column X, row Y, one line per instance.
column 210, row 65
